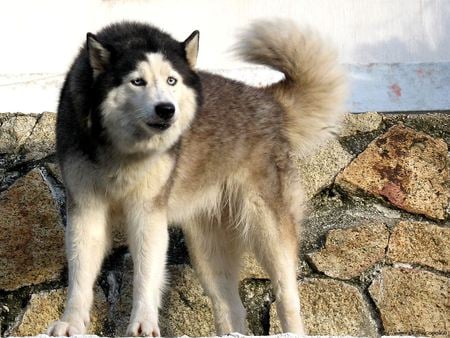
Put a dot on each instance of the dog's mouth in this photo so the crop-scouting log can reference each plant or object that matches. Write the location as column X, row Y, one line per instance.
column 159, row 126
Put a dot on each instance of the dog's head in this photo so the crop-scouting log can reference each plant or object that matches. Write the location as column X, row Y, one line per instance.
column 145, row 91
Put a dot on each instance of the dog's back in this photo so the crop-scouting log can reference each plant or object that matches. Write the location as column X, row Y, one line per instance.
column 235, row 186
column 235, row 134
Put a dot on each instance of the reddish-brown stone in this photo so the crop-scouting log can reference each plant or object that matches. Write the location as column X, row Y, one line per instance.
column 405, row 167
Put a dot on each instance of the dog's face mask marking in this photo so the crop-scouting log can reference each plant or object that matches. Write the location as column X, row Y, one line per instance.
column 151, row 105
column 146, row 102
column 153, row 91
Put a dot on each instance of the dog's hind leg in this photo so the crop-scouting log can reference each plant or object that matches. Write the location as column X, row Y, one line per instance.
column 273, row 237
column 87, row 240
column 216, row 256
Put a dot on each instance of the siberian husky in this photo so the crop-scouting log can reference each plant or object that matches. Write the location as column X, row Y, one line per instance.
column 141, row 133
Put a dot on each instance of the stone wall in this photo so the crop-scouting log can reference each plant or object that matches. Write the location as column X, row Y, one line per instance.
column 375, row 255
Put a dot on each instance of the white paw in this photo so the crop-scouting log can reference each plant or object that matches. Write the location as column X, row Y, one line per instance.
column 143, row 328
column 61, row 328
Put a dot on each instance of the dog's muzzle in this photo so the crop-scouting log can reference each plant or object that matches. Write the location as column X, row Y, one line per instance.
column 165, row 112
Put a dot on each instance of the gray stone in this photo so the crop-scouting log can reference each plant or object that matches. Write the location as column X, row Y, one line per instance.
column 119, row 235
column 186, row 310
column 31, row 234
column 331, row 307
column 349, row 252
column 42, row 139
column 421, row 243
column 251, row 268
column 434, row 124
column 412, row 301
column 360, row 123
column 331, row 210
column 14, row 131
column 46, row 307
column 256, row 296
column 55, row 171
column 318, row 170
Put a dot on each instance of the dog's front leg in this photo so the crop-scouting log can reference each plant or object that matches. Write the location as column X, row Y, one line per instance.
column 87, row 240
column 148, row 240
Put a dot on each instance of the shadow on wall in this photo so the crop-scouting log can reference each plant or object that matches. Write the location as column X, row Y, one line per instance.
column 435, row 37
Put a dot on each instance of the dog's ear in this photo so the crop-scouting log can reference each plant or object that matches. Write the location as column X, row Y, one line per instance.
column 191, row 48
column 99, row 56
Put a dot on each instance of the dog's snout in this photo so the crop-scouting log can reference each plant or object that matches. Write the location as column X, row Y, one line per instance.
column 165, row 110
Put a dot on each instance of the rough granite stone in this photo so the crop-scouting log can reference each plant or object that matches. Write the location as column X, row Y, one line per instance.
column 421, row 243
column 407, row 168
column 31, row 234
column 360, row 123
column 412, row 301
column 251, row 268
column 42, row 139
column 55, row 171
column 331, row 307
column 349, row 252
column 120, row 314
column 14, row 131
column 434, row 124
column 119, row 235
column 186, row 310
column 318, row 170
column 46, row 307
column 256, row 296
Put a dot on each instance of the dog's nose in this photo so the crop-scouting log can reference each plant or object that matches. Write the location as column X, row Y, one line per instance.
column 165, row 110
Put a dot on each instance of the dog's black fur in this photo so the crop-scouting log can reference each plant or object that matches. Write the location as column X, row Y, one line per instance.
column 79, row 123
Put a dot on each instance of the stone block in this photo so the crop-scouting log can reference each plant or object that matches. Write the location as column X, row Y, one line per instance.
column 349, row 252
column 48, row 306
column 331, row 307
column 405, row 167
column 185, row 311
column 421, row 243
column 14, row 131
column 42, row 139
column 360, row 123
column 412, row 301
column 251, row 268
column 31, row 234
column 256, row 296
column 55, row 171
column 318, row 170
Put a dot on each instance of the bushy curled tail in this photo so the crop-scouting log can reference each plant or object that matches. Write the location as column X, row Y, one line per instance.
column 314, row 89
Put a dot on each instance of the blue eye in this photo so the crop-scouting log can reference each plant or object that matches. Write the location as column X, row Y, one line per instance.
column 171, row 81
column 139, row 82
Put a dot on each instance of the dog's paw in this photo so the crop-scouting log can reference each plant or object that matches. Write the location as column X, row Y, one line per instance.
column 143, row 328
column 62, row 328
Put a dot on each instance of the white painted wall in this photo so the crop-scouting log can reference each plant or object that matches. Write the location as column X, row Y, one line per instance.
column 39, row 39
column 42, row 36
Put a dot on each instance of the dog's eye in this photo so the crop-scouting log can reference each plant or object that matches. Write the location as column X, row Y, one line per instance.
column 171, row 81
column 139, row 82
